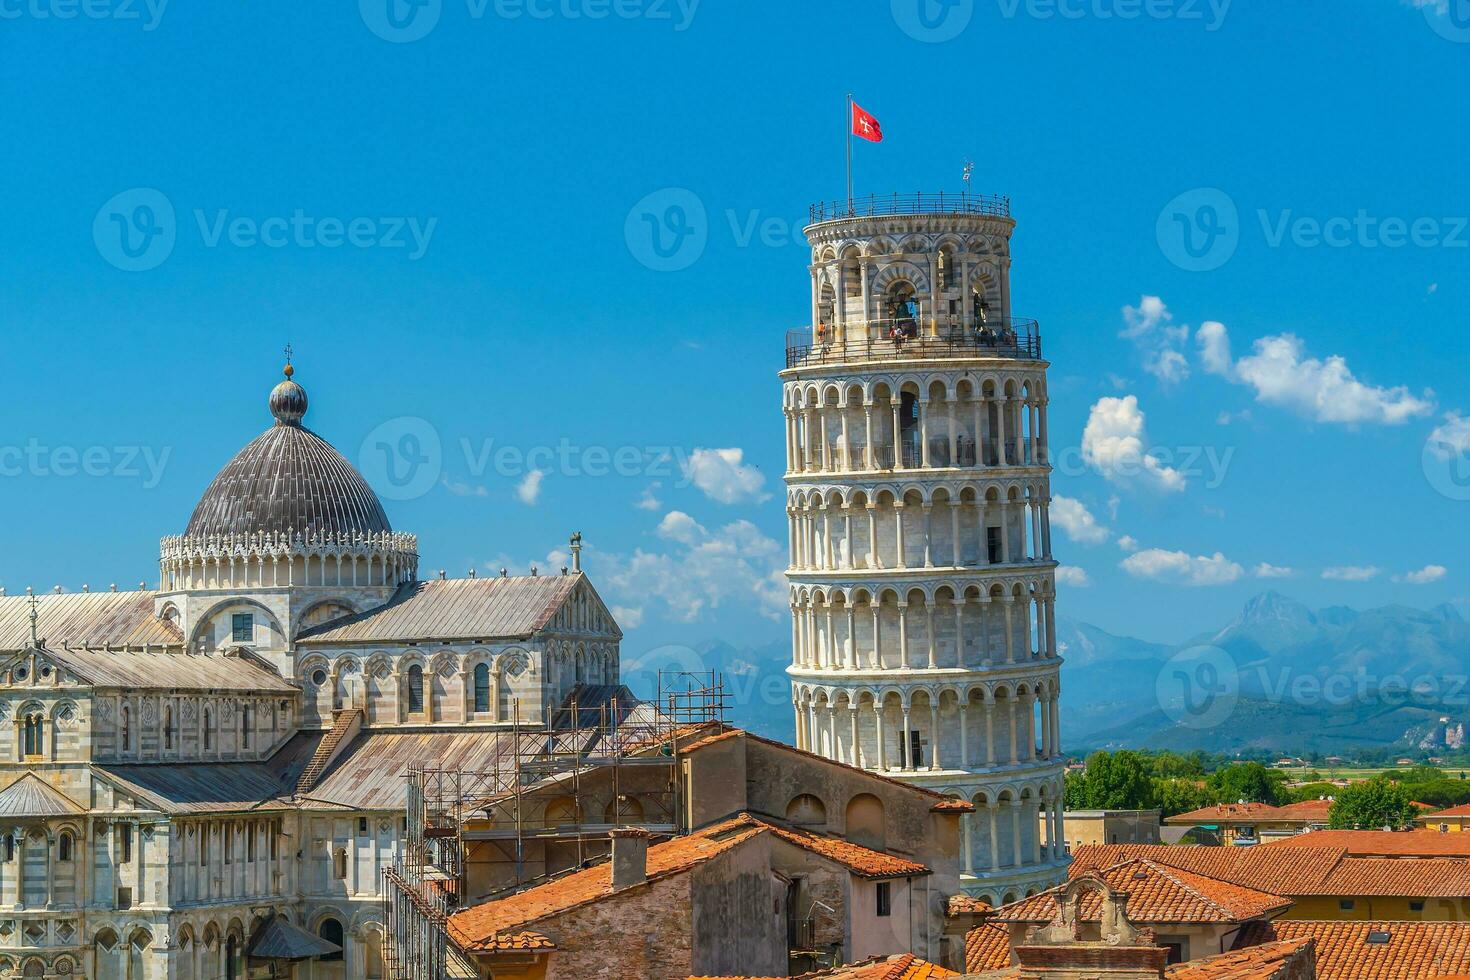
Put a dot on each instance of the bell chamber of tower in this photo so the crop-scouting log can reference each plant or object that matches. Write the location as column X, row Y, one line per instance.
column 918, row 486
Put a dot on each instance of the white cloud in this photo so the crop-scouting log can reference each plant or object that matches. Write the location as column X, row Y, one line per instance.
column 1433, row 288
column 648, row 500
column 1180, row 568
column 461, row 489
column 529, row 489
column 1073, row 576
column 1350, row 573
column 704, row 569
column 1151, row 327
column 628, row 617
column 1326, row 390
column 1450, row 439
column 1424, row 576
column 1128, row 543
column 1073, row 517
column 1113, row 443
column 724, row 477
column 1268, row 570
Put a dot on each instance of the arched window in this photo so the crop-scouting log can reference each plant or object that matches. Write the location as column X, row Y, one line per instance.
column 482, row 687
column 331, row 931
column 865, row 823
column 232, row 959
column 415, row 689
column 339, row 864
column 64, row 846
column 138, row 957
column 125, row 729
column 168, row 727
column 34, row 735
column 561, row 811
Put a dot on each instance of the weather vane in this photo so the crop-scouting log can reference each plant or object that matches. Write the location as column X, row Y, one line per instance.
column 289, row 352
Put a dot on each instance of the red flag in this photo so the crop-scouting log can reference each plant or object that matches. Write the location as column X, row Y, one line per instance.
column 865, row 124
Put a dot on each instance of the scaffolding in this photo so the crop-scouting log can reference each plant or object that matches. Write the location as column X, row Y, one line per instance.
column 449, row 810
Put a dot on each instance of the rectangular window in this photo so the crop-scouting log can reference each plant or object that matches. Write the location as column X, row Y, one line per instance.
column 250, row 843
column 242, row 627
column 229, row 844
column 124, row 844
column 362, row 827
column 1416, row 906
column 885, row 898
column 124, row 898
column 1346, row 905
column 275, row 840
column 916, row 749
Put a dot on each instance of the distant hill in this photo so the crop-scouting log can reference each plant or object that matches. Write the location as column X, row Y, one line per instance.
column 1303, row 680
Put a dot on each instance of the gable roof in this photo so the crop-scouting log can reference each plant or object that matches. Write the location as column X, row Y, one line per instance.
column 1382, row 843
column 1271, row 961
column 1412, row 950
column 31, row 796
column 1294, row 871
column 477, row 928
column 1156, row 894
column 99, row 619
column 221, row 787
column 155, row 670
column 454, row 609
column 1306, row 811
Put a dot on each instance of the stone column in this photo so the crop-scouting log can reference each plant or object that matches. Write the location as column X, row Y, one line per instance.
column 856, row 753
column 1005, row 608
column 967, row 831
column 873, row 560
column 896, row 401
column 954, row 532
column 964, row 712
column 868, row 428
column 924, row 431
column 989, row 728
column 849, row 651
column 898, row 532
column 877, row 607
column 906, row 740
column 878, row 734
column 929, row 618
column 1017, row 838
column 934, row 734
column 928, row 534
column 993, row 818
column 903, row 636
column 959, row 631
column 1015, row 736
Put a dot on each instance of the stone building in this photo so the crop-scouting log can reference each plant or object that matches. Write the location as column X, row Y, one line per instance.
column 206, row 777
column 922, row 578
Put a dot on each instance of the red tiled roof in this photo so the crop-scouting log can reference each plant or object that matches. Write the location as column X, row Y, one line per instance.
column 1271, row 961
column 987, row 948
column 965, row 905
column 1383, row 843
column 520, row 941
column 953, row 805
column 1413, row 950
column 906, row 966
column 481, row 927
column 1232, row 813
column 1294, row 871
column 1156, row 894
column 1463, row 810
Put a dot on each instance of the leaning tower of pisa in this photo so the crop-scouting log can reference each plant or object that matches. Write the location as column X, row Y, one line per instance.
column 922, row 579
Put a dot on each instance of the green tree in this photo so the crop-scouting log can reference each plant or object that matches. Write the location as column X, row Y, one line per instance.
column 1175, row 796
column 1117, row 781
column 1313, row 791
column 1372, row 803
column 1249, row 781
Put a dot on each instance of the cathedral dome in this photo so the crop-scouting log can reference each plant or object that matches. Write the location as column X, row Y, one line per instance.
column 289, row 480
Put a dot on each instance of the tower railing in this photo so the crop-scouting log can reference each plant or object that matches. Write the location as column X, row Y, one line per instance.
column 879, row 205
column 907, row 338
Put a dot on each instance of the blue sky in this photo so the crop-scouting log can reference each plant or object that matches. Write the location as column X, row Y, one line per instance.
column 500, row 293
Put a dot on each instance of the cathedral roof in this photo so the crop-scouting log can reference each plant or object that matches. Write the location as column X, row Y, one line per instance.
column 155, row 670
column 455, row 609
column 30, row 796
column 102, row 619
column 288, row 480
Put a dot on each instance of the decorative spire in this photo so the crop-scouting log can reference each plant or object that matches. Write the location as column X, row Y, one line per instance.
column 35, row 616
column 288, row 399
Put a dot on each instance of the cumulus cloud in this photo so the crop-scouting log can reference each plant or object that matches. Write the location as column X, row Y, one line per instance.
column 1181, row 568
column 1151, row 327
column 1350, row 573
column 702, row 570
column 1073, row 576
column 1268, row 570
column 529, row 489
column 1128, row 543
column 1424, row 576
column 1450, row 439
column 648, row 499
column 1073, row 517
column 1113, row 443
column 1281, row 373
column 724, row 476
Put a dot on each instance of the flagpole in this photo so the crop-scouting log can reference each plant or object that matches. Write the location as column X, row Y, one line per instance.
column 849, row 152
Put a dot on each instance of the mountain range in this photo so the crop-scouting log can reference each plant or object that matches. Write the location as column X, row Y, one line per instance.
column 1280, row 677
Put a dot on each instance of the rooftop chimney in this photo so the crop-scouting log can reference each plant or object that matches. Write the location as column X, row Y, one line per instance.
column 629, row 857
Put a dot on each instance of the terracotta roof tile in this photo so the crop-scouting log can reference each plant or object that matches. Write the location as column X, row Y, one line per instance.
column 1231, row 813
column 1463, row 810
column 1157, row 894
column 1411, row 950
column 520, row 941
column 965, row 905
column 1381, row 843
column 1272, row 961
column 905, row 966
column 481, row 927
column 987, row 948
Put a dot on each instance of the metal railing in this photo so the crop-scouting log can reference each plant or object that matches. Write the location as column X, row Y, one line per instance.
column 877, row 205
column 899, row 338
